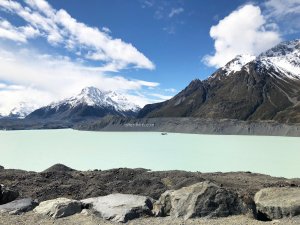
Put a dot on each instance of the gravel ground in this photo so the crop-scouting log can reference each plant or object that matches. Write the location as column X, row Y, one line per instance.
column 31, row 218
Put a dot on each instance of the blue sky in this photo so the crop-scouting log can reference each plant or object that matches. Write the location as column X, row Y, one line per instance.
column 147, row 49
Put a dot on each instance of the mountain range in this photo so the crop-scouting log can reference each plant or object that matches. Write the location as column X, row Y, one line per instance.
column 266, row 87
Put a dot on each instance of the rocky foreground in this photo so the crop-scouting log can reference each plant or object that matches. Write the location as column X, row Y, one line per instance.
column 61, row 195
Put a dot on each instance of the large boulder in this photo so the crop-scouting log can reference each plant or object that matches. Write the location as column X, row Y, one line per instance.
column 7, row 195
column 276, row 203
column 120, row 207
column 60, row 207
column 18, row 206
column 204, row 199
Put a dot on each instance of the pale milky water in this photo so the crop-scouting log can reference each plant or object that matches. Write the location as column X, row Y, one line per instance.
column 39, row 149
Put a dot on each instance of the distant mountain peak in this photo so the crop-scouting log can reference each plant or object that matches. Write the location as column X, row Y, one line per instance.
column 93, row 96
column 90, row 96
column 90, row 102
column 22, row 110
column 90, row 91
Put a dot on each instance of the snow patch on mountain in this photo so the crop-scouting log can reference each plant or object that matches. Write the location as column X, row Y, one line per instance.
column 237, row 63
column 283, row 58
column 122, row 101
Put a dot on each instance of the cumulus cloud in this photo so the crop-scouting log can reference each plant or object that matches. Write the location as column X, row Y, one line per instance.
column 60, row 28
column 175, row 11
column 244, row 31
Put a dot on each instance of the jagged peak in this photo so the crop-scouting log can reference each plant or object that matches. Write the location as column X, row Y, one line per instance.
column 90, row 91
column 282, row 49
column 284, row 58
column 195, row 81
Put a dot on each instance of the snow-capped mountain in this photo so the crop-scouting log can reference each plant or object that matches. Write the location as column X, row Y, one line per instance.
column 92, row 96
column 91, row 102
column 237, row 63
column 266, row 87
column 283, row 58
column 22, row 110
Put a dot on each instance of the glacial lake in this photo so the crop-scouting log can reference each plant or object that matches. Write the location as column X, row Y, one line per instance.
column 39, row 149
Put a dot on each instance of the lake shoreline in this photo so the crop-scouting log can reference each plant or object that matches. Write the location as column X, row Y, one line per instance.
column 164, row 124
column 192, row 126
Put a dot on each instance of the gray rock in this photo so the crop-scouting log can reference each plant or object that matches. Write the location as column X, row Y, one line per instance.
column 121, row 207
column 7, row 195
column 60, row 207
column 18, row 206
column 204, row 199
column 276, row 203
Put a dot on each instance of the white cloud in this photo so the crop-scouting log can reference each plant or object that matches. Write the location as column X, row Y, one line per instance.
column 284, row 12
column 12, row 95
column 244, row 31
column 281, row 8
column 40, row 79
column 161, row 97
column 18, row 34
column 106, row 30
column 59, row 28
column 172, row 90
column 147, row 3
column 175, row 11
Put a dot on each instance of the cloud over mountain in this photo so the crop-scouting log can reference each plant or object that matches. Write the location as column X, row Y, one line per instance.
column 243, row 31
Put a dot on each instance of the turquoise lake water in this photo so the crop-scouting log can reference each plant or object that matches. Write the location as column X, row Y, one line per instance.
column 39, row 149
